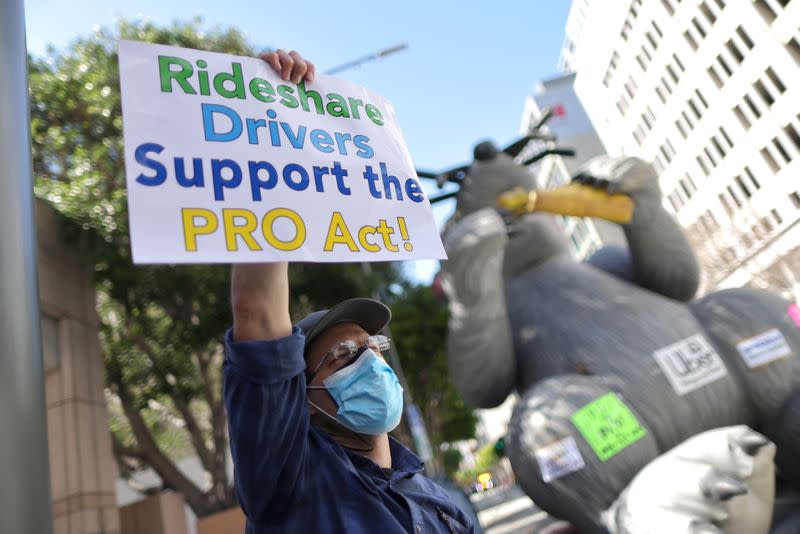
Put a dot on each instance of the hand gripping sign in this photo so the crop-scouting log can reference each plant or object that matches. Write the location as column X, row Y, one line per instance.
column 227, row 163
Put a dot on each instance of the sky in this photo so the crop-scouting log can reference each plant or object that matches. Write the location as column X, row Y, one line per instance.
column 463, row 78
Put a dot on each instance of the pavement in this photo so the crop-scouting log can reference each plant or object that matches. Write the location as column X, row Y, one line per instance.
column 507, row 510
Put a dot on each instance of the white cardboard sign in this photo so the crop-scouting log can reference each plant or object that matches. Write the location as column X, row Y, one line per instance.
column 690, row 364
column 227, row 163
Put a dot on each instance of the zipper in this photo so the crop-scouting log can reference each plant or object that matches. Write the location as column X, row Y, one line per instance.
column 446, row 520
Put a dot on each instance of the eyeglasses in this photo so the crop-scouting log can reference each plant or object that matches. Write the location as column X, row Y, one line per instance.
column 349, row 349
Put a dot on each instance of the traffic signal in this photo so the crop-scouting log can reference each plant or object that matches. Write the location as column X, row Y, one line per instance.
column 500, row 447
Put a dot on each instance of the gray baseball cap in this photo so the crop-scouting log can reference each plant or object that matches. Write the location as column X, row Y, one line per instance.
column 369, row 314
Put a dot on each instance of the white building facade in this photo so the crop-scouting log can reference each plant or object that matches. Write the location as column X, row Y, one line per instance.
column 709, row 91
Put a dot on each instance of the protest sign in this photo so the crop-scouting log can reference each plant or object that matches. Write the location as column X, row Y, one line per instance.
column 227, row 163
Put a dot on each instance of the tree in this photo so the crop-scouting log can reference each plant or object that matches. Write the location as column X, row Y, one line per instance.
column 161, row 326
column 736, row 244
column 419, row 331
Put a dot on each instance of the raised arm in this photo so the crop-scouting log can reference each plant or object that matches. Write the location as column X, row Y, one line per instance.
column 260, row 301
column 264, row 383
column 661, row 258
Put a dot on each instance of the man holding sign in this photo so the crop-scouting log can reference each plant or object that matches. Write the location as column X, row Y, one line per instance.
column 309, row 409
column 227, row 164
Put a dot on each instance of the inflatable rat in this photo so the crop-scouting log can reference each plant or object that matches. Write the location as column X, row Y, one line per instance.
column 613, row 361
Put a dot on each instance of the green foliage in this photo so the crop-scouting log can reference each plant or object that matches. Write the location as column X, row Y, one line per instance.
column 419, row 331
column 451, row 459
column 485, row 460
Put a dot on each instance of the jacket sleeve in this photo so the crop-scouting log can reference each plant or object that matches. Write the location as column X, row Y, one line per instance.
column 268, row 423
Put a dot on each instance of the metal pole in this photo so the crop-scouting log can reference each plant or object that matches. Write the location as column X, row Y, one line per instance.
column 25, row 487
column 413, row 417
column 370, row 57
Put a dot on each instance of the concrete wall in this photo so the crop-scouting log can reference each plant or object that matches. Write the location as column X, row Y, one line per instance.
column 82, row 470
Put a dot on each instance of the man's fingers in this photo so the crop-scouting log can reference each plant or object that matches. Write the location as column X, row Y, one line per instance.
column 286, row 64
column 272, row 60
column 290, row 65
column 300, row 67
column 311, row 72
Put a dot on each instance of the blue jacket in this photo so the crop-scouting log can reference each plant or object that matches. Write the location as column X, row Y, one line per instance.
column 291, row 477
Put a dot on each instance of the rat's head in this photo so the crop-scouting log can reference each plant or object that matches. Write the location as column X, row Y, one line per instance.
column 492, row 173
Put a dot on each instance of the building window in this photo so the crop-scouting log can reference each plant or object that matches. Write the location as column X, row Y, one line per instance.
column 686, row 189
column 795, row 198
column 733, row 196
column 742, row 186
column 792, row 134
column 689, row 183
column 752, row 106
column 678, row 62
column 664, row 153
column 726, row 205
column 672, row 74
column 718, row 146
column 631, row 87
column 752, row 178
column 694, row 109
column 665, row 83
column 775, row 80
column 724, row 65
column 653, row 43
column 688, row 121
column 710, row 157
column 742, row 119
column 661, row 95
column 782, row 151
column 622, row 105
column 638, row 135
column 703, row 166
column 698, row 27
column 745, row 38
column 776, row 216
column 766, row 12
column 707, row 13
column 763, row 93
column 680, row 128
column 734, row 50
column 720, row 4
column 712, row 73
column 668, row 7
column 702, row 99
column 726, row 137
column 793, row 47
column 770, row 161
column 690, row 40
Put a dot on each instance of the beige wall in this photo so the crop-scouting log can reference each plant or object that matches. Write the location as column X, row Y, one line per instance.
column 160, row 514
column 82, row 470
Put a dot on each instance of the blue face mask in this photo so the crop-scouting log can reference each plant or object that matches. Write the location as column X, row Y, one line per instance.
column 368, row 394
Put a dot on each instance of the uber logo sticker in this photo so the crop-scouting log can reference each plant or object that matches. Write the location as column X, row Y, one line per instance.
column 763, row 348
column 690, row 364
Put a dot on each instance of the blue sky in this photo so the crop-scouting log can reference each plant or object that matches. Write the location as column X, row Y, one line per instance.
column 463, row 78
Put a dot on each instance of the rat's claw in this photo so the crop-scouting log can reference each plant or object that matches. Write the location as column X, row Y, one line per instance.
column 750, row 442
column 704, row 527
column 722, row 487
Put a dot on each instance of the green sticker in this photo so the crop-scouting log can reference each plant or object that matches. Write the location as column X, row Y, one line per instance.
column 608, row 425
